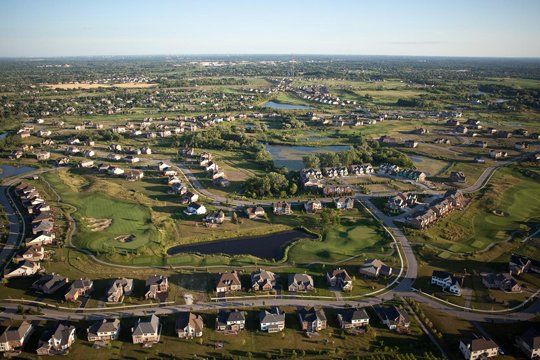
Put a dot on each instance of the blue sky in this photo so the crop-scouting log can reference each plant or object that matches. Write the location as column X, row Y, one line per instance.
column 402, row 27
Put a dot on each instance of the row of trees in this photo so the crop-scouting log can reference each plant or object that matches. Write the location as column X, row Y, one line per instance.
column 365, row 153
column 272, row 184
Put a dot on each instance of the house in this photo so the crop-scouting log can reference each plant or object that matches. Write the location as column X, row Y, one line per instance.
column 529, row 343
column 344, row 203
column 189, row 198
column 104, row 331
column 133, row 175
column 312, row 320
column 401, row 201
column 189, row 325
column 457, row 177
column 56, row 341
column 478, row 348
column 447, row 282
column 230, row 321
column 131, row 159
column 282, row 208
column 497, row 154
column 78, row 288
column 15, row 337
column 313, row 205
column 42, row 226
column 502, row 281
column 228, row 282
column 300, row 283
column 254, row 212
column 157, row 286
column 216, row 217
column 272, row 320
column 519, row 264
column 504, row 134
column 461, row 129
column 352, row 318
column 147, row 331
column 22, row 269
column 521, row 146
column 393, row 317
column 43, row 155
column 195, row 209
column 375, row 268
column 119, row 289
column 263, row 280
column 480, row 144
column 411, row 143
column 41, row 238
column 33, row 253
column 115, row 170
column 49, row 283
column 339, row 278
column 86, row 163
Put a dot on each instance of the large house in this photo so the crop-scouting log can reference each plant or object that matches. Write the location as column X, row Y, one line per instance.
column 14, row 337
column 147, row 331
column 502, row 281
column 49, row 283
column 351, row 318
column 119, row 289
column 339, row 278
column 300, row 283
column 478, row 348
column 104, row 330
column 401, row 201
column 78, row 288
column 272, row 320
column 452, row 200
column 156, row 287
column 262, row 280
column 230, row 321
column 393, row 317
column 529, row 343
column 189, row 325
column 282, row 208
column 22, row 269
column 312, row 320
column 344, row 203
column 375, row 268
column 195, row 209
column 228, row 282
column 313, row 205
column 56, row 341
column 447, row 281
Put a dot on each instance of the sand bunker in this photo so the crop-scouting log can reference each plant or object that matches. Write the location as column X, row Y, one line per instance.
column 125, row 238
column 97, row 224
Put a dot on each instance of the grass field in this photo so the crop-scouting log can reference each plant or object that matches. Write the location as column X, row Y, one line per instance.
column 74, row 86
column 477, row 227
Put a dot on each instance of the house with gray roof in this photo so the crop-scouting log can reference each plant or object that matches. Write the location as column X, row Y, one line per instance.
column 78, row 288
column 263, row 280
column 189, row 325
column 49, row 283
column 119, row 289
column 14, row 337
column 352, row 318
column 157, row 287
column 375, row 268
column 300, row 283
column 272, row 320
column 105, row 330
column 478, row 348
column 56, row 341
column 230, row 321
column 312, row 320
column 147, row 331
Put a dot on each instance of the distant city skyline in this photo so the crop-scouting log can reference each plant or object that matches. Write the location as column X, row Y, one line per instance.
column 475, row 28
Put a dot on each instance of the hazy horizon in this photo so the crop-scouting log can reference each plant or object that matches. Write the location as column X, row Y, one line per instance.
column 63, row 28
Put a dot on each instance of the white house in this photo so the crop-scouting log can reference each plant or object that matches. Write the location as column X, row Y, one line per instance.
column 477, row 348
column 446, row 281
column 195, row 209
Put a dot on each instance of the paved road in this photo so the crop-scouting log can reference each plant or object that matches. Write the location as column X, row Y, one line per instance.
column 403, row 287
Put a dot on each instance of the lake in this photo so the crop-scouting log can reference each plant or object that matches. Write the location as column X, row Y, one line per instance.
column 269, row 246
column 291, row 156
column 8, row 170
column 282, row 106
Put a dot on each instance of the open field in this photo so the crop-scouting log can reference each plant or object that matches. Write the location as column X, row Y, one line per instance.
column 82, row 86
column 478, row 226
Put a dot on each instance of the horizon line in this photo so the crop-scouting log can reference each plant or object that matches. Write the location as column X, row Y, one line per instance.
column 269, row 54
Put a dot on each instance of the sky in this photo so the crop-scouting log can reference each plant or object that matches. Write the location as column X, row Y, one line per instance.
column 49, row 28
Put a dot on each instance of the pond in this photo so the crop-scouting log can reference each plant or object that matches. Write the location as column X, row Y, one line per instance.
column 271, row 246
column 8, row 170
column 283, row 106
column 291, row 156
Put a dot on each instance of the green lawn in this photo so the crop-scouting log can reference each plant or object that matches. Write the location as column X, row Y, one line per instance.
column 477, row 226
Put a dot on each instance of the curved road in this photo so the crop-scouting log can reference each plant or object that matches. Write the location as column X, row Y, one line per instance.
column 403, row 286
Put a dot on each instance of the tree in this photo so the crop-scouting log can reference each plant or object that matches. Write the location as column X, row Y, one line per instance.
column 311, row 161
